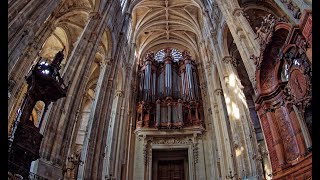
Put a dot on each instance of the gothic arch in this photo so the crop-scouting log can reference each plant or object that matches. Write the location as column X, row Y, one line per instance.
column 277, row 101
column 180, row 25
column 106, row 43
column 268, row 74
column 58, row 40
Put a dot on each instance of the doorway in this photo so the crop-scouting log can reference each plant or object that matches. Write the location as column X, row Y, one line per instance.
column 170, row 170
column 170, row 164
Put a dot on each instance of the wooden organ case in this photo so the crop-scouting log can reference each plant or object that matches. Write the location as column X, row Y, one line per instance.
column 169, row 95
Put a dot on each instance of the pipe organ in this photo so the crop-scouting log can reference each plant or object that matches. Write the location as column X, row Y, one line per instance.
column 169, row 94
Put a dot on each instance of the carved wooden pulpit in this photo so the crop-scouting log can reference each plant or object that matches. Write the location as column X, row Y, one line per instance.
column 44, row 84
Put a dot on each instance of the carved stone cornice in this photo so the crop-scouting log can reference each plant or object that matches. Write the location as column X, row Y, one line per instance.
column 265, row 31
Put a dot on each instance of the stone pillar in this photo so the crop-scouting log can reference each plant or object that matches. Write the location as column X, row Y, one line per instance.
column 110, row 160
column 63, row 114
column 242, row 34
column 240, row 120
column 227, row 151
column 139, row 158
column 99, row 92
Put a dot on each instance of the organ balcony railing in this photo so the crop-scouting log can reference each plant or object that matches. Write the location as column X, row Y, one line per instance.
column 169, row 94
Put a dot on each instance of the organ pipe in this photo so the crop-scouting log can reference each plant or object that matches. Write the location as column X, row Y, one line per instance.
column 158, row 113
column 162, row 99
column 154, row 86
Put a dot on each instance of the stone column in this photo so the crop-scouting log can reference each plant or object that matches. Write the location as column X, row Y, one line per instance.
column 139, row 159
column 96, row 135
column 64, row 113
column 242, row 34
column 225, row 133
column 99, row 92
column 239, row 120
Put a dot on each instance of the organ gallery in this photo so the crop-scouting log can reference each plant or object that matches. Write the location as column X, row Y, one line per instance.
column 169, row 94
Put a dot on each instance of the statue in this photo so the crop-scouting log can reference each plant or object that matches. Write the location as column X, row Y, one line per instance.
column 264, row 32
column 186, row 55
column 149, row 56
column 168, row 52
column 58, row 58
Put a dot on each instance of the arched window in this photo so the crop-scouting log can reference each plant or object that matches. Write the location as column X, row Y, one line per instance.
column 176, row 55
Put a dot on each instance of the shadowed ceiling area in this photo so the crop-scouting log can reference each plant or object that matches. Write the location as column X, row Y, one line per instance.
column 161, row 23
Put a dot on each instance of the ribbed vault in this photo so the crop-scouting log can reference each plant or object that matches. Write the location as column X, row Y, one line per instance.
column 161, row 23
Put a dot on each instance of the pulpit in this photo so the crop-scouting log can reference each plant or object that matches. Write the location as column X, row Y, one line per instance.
column 44, row 84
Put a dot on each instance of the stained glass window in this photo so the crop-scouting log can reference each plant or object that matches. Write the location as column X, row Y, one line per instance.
column 176, row 55
column 160, row 55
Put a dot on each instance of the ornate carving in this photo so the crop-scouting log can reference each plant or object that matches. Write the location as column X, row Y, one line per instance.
column 157, row 103
column 229, row 59
column 171, row 140
column 287, row 135
column 145, row 152
column 195, row 150
column 256, row 60
column 294, row 9
column 298, row 84
column 149, row 56
column 265, row 31
column 186, row 55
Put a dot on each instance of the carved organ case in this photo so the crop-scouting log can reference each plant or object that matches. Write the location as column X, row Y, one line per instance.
column 169, row 94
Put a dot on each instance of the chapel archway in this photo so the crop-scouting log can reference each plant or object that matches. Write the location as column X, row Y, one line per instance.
column 283, row 81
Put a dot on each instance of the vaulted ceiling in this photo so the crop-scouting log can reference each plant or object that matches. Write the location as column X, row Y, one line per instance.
column 159, row 24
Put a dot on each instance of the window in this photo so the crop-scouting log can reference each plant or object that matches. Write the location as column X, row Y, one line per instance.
column 176, row 55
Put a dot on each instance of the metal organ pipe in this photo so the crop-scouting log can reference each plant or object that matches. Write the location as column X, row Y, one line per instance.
column 161, row 79
column 141, row 86
column 196, row 90
column 168, row 81
column 180, row 114
column 158, row 113
column 190, row 81
column 147, row 81
column 154, row 86
column 183, row 85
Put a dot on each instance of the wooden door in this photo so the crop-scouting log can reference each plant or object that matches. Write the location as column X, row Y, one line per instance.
column 170, row 170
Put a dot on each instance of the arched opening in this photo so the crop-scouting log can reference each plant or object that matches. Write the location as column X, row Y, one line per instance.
column 254, row 11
